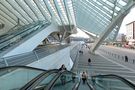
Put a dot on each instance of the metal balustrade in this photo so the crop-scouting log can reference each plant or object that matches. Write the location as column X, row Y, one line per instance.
column 118, row 56
column 29, row 57
column 22, row 32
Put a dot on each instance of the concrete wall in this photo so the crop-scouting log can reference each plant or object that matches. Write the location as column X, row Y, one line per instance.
column 55, row 60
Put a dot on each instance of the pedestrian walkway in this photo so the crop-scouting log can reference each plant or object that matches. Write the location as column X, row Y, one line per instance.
column 116, row 54
column 102, row 65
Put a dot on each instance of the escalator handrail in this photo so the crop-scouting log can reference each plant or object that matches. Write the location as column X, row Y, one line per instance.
column 90, row 86
column 25, row 30
column 17, row 34
column 19, row 66
column 53, row 81
column 132, row 85
column 31, row 84
column 76, row 86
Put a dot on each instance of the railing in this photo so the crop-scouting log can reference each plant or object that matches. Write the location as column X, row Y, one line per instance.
column 14, row 77
column 111, row 82
column 76, row 86
column 63, row 80
column 74, row 54
column 29, row 57
column 90, row 85
column 34, row 83
column 16, row 36
column 118, row 56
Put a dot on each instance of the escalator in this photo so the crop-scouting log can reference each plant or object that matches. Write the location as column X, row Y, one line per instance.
column 111, row 82
column 41, row 81
column 54, row 81
column 98, row 82
column 60, row 83
column 80, row 86
column 14, row 77
column 29, row 78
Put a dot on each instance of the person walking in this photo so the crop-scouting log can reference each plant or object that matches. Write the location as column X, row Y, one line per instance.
column 89, row 61
column 84, row 77
column 126, row 59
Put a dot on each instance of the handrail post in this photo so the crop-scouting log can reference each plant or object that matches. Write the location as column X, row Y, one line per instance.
column 36, row 55
column 5, row 62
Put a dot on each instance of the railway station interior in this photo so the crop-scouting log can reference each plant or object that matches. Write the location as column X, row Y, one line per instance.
column 40, row 48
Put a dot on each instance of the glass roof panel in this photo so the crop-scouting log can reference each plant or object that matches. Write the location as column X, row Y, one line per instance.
column 100, row 12
column 91, row 15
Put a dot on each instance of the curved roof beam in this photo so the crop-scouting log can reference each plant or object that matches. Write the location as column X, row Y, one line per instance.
column 60, row 16
column 71, row 11
column 11, row 12
column 27, row 11
column 19, row 10
column 48, row 8
column 74, row 10
column 11, row 9
column 67, row 13
column 114, row 9
column 41, row 9
column 58, row 12
column 2, row 20
column 34, row 9
column 52, row 11
column 45, row 9
column 4, row 14
column 113, row 24
column 1, row 17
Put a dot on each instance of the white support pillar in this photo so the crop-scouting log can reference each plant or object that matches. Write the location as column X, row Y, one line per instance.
column 112, row 25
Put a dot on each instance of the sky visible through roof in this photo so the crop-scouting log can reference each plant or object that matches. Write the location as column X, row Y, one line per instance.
column 129, row 18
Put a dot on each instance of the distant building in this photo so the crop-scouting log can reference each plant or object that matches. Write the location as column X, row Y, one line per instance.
column 121, row 38
column 130, row 28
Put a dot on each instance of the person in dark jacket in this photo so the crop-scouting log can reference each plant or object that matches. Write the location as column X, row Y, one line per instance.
column 62, row 67
column 126, row 59
column 84, row 77
column 89, row 61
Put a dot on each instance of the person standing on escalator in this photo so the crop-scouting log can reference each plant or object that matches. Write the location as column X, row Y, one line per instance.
column 89, row 61
column 62, row 67
column 84, row 77
column 63, row 77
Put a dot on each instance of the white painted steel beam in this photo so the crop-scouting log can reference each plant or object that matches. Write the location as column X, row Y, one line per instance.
column 112, row 25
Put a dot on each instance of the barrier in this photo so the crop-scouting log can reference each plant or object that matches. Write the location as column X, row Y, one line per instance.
column 119, row 57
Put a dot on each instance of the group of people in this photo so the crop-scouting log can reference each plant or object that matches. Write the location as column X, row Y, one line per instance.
column 84, row 75
column 63, row 77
